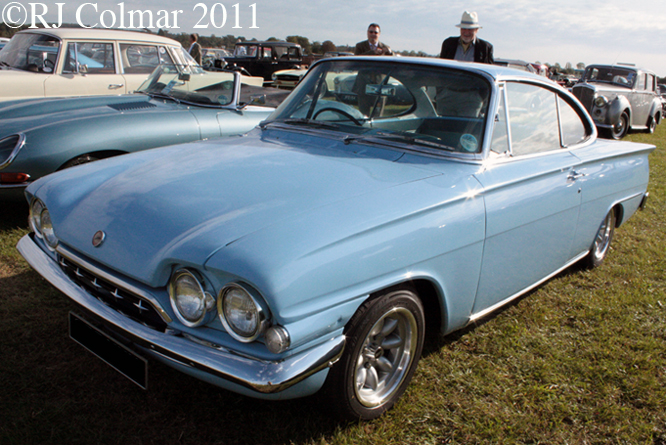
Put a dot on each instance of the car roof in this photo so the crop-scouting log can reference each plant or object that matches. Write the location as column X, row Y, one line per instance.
column 268, row 43
column 497, row 72
column 620, row 65
column 102, row 34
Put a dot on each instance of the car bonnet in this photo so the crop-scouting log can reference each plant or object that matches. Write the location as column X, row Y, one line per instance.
column 180, row 204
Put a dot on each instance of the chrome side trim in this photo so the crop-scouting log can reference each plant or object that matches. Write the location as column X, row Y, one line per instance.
column 84, row 264
column 259, row 375
column 17, row 148
column 483, row 313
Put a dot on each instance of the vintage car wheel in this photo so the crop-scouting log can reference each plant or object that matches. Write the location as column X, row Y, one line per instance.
column 651, row 125
column 340, row 112
column 602, row 240
column 620, row 129
column 83, row 159
column 384, row 343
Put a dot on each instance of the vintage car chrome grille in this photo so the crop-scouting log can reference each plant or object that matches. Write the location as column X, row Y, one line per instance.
column 119, row 299
column 129, row 106
column 585, row 95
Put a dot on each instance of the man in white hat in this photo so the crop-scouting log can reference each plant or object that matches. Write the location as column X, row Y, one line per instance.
column 467, row 47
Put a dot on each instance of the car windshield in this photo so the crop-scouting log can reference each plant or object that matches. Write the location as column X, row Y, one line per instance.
column 423, row 106
column 30, row 52
column 190, row 84
column 245, row 50
column 618, row 76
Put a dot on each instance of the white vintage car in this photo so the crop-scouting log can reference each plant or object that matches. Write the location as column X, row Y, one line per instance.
column 82, row 62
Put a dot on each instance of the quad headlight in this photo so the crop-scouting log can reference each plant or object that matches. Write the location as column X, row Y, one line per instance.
column 241, row 314
column 40, row 222
column 188, row 298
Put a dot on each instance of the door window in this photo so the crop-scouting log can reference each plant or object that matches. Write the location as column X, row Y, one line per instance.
column 142, row 59
column 91, row 58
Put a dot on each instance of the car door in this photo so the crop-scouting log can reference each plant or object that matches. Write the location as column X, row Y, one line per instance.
column 531, row 195
column 86, row 69
column 139, row 60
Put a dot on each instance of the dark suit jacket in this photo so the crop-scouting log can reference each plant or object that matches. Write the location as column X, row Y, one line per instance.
column 363, row 49
column 483, row 51
column 196, row 52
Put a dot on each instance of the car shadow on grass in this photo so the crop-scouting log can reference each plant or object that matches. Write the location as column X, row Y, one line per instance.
column 13, row 214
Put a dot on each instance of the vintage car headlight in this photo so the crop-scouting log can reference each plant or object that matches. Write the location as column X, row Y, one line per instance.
column 600, row 101
column 40, row 223
column 188, row 298
column 241, row 314
column 47, row 229
column 274, row 76
column 36, row 216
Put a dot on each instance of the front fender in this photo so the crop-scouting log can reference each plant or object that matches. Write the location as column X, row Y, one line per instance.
column 615, row 109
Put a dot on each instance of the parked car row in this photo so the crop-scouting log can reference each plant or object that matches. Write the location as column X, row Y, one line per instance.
column 384, row 200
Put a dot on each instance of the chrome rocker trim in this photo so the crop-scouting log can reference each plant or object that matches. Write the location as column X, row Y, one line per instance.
column 262, row 376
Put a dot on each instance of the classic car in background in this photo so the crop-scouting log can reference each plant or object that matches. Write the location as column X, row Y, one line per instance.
column 214, row 57
column 288, row 79
column 265, row 58
column 620, row 98
column 82, row 62
column 175, row 105
column 662, row 93
column 321, row 248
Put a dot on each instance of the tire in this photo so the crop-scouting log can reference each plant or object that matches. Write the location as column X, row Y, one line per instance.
column 620, row 129
column 651, row 125
column 384, row 343
column 602, row 240
column 83, row 159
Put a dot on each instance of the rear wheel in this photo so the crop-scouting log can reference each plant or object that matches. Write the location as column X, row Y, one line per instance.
column 384, row 344
column 651, row 125
column 602, row 240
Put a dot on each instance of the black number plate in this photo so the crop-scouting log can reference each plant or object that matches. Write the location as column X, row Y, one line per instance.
column 115, row 354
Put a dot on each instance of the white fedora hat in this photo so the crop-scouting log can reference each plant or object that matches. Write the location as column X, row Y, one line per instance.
column 469, row 20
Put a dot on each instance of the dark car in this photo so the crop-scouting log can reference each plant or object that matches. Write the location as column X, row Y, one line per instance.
column 662, row 94
column 265, row 58
column 620, row 98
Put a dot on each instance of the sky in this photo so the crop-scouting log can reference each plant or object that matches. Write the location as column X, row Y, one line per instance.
column 548, row 31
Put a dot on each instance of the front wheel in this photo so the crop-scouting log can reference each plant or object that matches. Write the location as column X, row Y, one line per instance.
column 384, row 343
column 621, row 128
column 602, row 240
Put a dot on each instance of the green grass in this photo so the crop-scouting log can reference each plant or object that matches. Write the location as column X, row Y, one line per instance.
column 580, row 360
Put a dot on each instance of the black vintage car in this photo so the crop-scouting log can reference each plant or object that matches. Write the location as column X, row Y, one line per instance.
column 265, row 58
column 619, row 98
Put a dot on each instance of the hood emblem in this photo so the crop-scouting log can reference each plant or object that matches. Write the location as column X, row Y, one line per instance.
column 98, row 238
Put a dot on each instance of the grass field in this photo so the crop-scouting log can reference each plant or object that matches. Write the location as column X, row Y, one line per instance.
column 580, row 360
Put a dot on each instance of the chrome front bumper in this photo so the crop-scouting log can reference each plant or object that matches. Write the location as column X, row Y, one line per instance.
column 260, row 376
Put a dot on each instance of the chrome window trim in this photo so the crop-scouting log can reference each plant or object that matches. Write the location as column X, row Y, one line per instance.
column 84, row 264
column 17, row 148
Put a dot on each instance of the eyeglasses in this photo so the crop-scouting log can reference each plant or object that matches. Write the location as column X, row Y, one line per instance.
column 373, row 32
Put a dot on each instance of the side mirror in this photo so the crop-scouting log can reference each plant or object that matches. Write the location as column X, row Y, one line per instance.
column 83, row 68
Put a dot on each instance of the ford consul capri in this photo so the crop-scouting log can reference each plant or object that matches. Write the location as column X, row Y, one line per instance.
column 176, row 104
column 319, row 250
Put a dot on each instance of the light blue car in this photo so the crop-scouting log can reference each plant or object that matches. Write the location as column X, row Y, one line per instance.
column 176, row 104
column 321, row 249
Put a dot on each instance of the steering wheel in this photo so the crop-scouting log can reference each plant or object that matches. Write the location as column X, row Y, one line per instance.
column 48, row 64
column 340, row 112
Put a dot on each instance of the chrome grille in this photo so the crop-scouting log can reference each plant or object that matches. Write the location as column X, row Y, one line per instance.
column 127, row 303
column 585, row 95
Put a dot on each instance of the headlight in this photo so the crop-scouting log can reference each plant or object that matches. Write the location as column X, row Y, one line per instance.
column 47, row 229
column 600, row 101
column 242, row 316
column 36, row 216
column 274, row 76
column 188, row 298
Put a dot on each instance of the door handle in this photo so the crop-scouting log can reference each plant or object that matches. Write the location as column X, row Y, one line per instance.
column 574, row 175
column 115, row 86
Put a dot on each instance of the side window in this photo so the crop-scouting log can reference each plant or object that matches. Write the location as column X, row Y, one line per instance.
column 640, row 84
column 92, row 58
column 532, row 119
column 142, row 59
column 650, row 82
column 500, row 142
column 573, row 129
